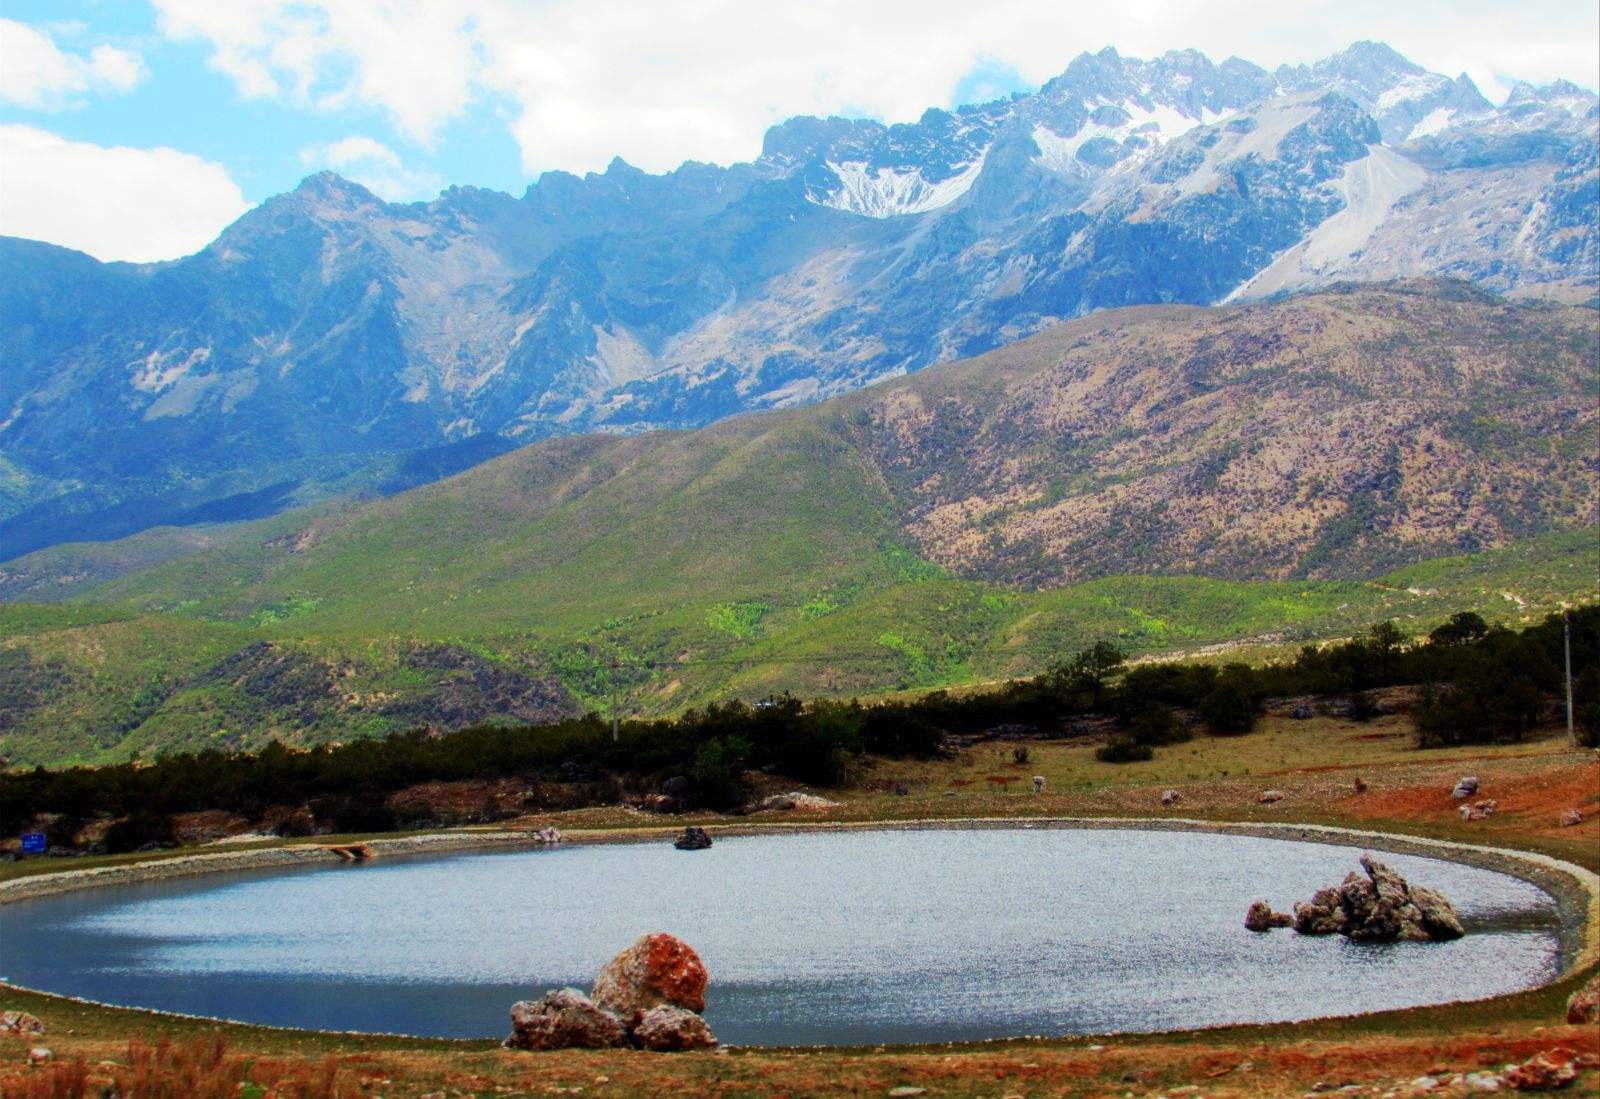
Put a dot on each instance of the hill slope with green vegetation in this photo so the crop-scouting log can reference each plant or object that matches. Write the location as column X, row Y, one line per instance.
column 1167, row 477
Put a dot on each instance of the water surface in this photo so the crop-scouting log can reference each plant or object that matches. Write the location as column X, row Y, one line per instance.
column 821, row 938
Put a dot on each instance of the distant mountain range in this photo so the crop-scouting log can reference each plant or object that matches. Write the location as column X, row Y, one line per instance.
column 1164, row 476
column 328, row 342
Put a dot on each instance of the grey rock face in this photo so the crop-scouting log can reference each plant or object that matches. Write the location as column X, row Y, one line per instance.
column 565, row 1019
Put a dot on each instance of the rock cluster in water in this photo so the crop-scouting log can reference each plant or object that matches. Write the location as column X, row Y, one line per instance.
column 649, row 996
column 693, row 839
column 1380, row 907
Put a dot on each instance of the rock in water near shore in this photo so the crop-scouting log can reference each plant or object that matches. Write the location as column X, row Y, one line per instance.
column 1321, row 915
column 1261, row 917
column 566, row 1019
column 668, row 1029
column 693, row 839
column 657, row 969
column 1380, row 907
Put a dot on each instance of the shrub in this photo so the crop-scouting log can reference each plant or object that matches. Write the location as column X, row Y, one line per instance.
column 1158, row 724
column 1228, row 709
column 1363, row 707
column 1019, row 756
column 139, row 830
column 718, row 772
column 1123, row 749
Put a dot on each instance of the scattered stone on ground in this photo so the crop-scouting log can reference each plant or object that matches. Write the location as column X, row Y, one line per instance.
column 564, row 1019
column 1545, row 1071
column 694, row 838
column 1571, row 817
column 906, row 1092
column 1261, row 917
column 669, row 1029
column 1479, row 810
column 1038, row 784
column 657, row 969
column 1583, row 1006
column 1169, row 797
column 1269, row 796
column 1361, row 785
column 38, row 1055
column 779, row 802
column 1465, row 787
column 1381, row 907
column 21, row 1024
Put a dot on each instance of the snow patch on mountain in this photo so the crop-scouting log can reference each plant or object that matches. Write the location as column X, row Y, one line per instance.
column 892, row 192
column 1370, row 188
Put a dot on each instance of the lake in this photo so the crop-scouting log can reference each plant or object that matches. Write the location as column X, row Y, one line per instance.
column 842, row 938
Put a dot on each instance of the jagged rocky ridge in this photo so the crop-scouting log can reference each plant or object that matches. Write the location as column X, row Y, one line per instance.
column 329, row 341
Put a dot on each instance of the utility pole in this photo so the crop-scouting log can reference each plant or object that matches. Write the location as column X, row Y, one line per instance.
column 615, row 701
column 1566, row 639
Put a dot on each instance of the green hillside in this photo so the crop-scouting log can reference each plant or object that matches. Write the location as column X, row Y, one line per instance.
column 1112, row 478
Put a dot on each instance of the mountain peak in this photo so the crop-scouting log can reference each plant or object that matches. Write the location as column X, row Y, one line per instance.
column 331, row 186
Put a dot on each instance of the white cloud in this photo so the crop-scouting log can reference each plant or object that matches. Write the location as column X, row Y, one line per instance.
column 114, row 203
column 375, row 166
column 658, row 82
column 35, row 72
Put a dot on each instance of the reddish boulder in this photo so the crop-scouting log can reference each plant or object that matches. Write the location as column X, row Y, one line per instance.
column 1571, row 817
column 657, row 969
column 668, row 1029
column 566, row 1019
column 1583, row 1006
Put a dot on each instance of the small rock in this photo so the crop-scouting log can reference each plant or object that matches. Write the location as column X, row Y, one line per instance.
column 1261, row 917
column 693, row 839
column 20, row 1023
column 1571, row 817
column 1361, row 785
column 1269, row 796
column 775, row 803
column 1169, row 797
column 900, row 789
column 1425, row 1083
column 669, row 1029
column 548, row 834
column 657, row 969
column 1038, row 784
column 1300, row 713
column 1544, row 1071
column 1481, row 1081
column 38, row 1055
column 1583, row 1006
column 1465, row 787
column 566, row 1019
column 906, row 1092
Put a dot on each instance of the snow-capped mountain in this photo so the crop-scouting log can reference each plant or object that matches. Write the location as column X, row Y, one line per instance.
column 329, row 341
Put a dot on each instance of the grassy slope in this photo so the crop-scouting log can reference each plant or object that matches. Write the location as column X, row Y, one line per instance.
column 899, row 625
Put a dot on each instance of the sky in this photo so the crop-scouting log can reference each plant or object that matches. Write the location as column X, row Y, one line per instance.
column 138, row 129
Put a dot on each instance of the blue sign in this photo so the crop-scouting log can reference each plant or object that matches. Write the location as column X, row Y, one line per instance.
column 33, row 843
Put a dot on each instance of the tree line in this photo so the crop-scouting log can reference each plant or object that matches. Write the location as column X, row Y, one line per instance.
column 1479, row 683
